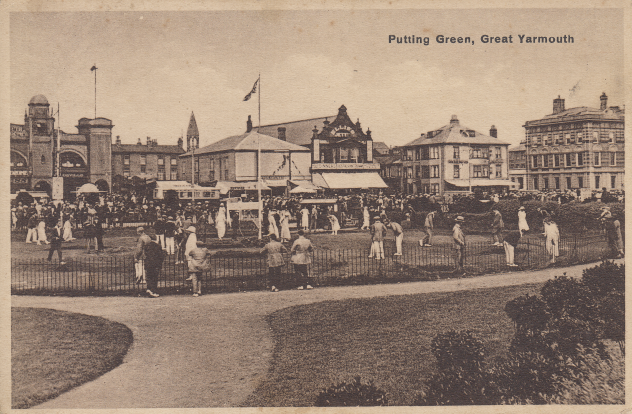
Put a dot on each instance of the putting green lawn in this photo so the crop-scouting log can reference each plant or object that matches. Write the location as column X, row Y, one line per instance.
column 53, row 351
column 384, row 339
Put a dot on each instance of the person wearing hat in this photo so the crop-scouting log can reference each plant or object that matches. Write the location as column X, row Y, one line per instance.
column 426, row 241
column 613, row 233
column 191, row 241
column 154, row 256
column 378, row 233
column 523, row 226
column 399, row 236
column 159, row 229
column 274, row 250
column 139, row 255
column 552, row 235
column 301, row 257
column 459, row 243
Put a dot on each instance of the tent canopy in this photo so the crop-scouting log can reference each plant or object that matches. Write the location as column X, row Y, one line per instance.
column 352, row 180
column 88, row 188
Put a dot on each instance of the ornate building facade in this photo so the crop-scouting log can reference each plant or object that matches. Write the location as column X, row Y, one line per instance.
column 576, row 148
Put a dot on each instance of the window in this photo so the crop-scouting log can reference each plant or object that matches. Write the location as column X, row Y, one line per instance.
column 545, row 161
column 434, row 188
column 567, row 139
column 498, row 153
column 580, row 182
column 457, row 171
column 595, row 136
column 557, row 139
column 409, row 172
column 344, row 154
column 425, row 171
column 477, row 152
column 613, row 159
column 143, row 159
column 161, row 173
column 570, row 159
column 417, row 171
column 480, row 171
column 535, row 183
column 568, row 183
column 499, row 171
column 126, row 159
column 418, row 154
column 43, row 159
column 174, row 175
column 455, row 153
column 597, row 181
column 434, row 153
column 535, row 161
column 557, row 183
column 434, row 171
column 597, row 159
column 409, row 154
column 174, row 162
column 613, row 181
column 580, row 158
column 579, row 138
column 546, row 183
column 556, row 160
column 161, row 160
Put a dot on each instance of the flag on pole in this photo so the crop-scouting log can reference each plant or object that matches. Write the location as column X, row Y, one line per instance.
column 93, row 68
column 254, row 90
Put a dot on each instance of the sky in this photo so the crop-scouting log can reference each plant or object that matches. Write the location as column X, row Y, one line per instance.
column 156, row 68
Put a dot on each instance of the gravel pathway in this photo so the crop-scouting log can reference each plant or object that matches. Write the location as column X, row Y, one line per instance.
column 212, row 351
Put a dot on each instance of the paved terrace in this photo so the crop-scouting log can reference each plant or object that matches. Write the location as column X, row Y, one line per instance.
column 213, row 350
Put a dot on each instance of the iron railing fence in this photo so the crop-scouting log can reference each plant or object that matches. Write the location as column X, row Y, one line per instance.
column 237, row 271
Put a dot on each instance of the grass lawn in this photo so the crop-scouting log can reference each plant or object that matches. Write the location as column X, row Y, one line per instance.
column 384, row 339
column 54, row 351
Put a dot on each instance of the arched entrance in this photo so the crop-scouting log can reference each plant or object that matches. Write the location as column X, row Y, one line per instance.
column 102, row 185
column 74, row 171
column 44, row 187
column 19, row 172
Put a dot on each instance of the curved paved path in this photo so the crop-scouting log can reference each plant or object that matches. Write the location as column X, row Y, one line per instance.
column 212, row 351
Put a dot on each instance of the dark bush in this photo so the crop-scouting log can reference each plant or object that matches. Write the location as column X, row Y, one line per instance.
column 528, row 312
column 606, row 278
column 460, row 350
column 569, row 297
column 352, row 394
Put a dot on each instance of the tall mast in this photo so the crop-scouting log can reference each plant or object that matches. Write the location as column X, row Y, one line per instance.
column 259, row 162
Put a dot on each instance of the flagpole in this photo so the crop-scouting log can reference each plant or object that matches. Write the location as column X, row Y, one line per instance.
column 259, row 161
column 95, row 91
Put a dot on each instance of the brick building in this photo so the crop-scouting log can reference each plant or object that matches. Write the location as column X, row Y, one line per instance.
column 36, row 145
column 576, row 148
column 518, row 165
column 455, row 158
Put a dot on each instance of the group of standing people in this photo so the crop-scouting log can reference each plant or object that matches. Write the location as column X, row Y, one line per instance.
column 300, row 257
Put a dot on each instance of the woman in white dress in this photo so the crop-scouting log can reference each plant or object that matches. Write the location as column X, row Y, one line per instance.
column 220, row 222
column 285, row 226
column 366, row 219
column 68, row 230
column 41, row 232
column 305, row 218
column 522, row 221
column 272, row 226
column 335, row 226
column 552, row 234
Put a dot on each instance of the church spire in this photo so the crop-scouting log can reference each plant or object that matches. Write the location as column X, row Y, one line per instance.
column 193, row 136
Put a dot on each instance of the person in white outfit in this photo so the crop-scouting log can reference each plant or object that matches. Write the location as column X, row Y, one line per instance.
column 220, row 222
column 305, row 218
column 523, row 226
column 335, row 225
column 68, row 230
column 285, row 226
column 366, row 222
column 272, row 226
column 41, row 231
column 552, row 235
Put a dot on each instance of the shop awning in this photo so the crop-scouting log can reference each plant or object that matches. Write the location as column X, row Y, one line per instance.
column 481, row 183
column 351, row 180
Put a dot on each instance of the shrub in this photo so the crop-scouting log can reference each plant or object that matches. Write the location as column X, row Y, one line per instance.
column 569, row 297
column 352, row 394
column 528, row 312
column 606, row 278
column 458, row 350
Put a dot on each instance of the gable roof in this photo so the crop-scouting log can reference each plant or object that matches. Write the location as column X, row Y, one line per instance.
column 249, row 142
column 455, row 133
column 296, row 132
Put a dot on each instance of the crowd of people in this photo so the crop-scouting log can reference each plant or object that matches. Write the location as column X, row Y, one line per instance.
column 175, row 225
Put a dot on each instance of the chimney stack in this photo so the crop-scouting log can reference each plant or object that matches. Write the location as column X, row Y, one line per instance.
column 139, row 143
column 118, row 140
column 454, row 120
column 180, row 142
column 604, row 101
column 493, row 132
column 148, row 141
column 281, row 133
column 248, row 124
column 558, row 105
